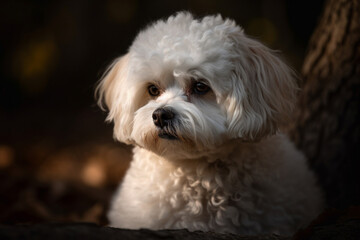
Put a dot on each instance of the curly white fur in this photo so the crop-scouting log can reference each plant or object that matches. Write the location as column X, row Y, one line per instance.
column 228, row 170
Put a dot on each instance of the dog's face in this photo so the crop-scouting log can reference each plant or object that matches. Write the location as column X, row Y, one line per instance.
column 186, row 87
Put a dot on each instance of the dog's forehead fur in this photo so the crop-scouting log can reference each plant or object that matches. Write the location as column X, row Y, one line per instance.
column 182, row 43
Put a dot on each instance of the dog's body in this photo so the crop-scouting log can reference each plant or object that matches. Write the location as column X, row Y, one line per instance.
column 202, row 103
column 255, row 189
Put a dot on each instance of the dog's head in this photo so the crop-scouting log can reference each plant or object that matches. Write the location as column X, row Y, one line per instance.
column 188, row 86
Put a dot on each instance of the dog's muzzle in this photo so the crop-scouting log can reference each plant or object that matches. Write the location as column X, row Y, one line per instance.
column 163, row 119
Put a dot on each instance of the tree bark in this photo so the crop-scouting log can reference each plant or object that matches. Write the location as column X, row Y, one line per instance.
column 326, row 124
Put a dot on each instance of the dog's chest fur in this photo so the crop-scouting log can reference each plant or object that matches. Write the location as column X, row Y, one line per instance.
column 226, row 195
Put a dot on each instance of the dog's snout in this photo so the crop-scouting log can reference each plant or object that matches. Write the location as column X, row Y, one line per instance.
column 162, row 117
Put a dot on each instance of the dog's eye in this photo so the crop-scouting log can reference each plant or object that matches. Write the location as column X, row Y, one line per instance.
column 200, row 88
column 153, row 90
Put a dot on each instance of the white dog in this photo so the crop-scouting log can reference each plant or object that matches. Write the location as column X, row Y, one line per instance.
column 202, row 103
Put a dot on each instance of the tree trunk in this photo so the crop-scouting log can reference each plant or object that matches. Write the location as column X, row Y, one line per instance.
column 327, row 119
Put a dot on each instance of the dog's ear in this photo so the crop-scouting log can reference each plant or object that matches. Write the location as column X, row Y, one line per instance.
column 263, row 90
column 113, row 93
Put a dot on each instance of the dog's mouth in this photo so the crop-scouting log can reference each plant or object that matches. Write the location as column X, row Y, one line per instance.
column 166, row 135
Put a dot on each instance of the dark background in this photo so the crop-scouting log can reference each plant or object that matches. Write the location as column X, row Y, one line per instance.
column 58, row 161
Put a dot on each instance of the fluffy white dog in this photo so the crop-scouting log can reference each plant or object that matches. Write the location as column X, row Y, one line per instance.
column 202, row 103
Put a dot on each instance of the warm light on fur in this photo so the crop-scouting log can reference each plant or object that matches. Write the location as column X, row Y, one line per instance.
column 228, row 170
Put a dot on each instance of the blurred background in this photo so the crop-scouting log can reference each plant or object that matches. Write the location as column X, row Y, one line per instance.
column 58, row 161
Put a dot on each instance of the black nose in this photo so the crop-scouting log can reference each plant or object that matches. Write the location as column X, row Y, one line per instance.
column 162, row 117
